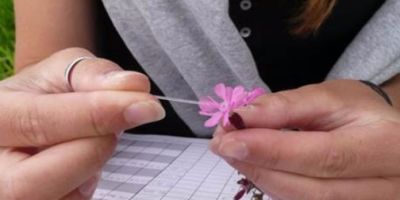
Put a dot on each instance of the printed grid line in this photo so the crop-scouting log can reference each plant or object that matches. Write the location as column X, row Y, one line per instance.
column 194, row 163
column 119, row 167
column 116, row 153
column 202, row 158
column 167, row 167
column 226, row 185
column 202, row 182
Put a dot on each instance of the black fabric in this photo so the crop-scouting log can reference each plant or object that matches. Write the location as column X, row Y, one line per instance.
column 284, row 61
column 112, row 47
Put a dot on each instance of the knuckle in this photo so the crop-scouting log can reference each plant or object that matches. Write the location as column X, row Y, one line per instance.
column 112, row 144
column 105, row 65
column 324, row 194
column 392, row 187
column 144, row 82
column 99, row 118
column 279, row 104
column 322, row 93
column 10, row 190
column 145, row 97
column 99, row 158
column 335, row 162
column 76, row 51
column 255, row 176
column 317, row 89
column 104, row 152
column 29, row 126
column 279, row 99
column 272, row 158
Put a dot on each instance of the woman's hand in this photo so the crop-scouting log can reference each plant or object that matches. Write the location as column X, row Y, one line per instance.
column 53, row 141
column 335, row 140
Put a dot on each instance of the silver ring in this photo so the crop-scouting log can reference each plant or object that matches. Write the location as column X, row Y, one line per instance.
column 70, row 68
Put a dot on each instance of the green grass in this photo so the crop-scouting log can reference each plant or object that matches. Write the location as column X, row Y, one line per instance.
column 7, row 38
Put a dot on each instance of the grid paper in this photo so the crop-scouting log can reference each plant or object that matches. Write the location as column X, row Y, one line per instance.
column 153, row 167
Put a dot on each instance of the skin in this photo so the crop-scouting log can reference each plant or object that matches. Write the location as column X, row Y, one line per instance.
column 54, row 142
column 91, row 118
column 106, row 101
column 44, row 27
column 347, row 143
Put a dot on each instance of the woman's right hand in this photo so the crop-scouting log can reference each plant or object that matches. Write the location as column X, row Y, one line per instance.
column 54, row 142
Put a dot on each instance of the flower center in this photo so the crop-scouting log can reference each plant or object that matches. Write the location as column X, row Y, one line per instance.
column 224, row 107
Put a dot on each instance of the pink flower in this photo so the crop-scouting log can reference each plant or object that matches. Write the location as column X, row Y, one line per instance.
column 232, row 98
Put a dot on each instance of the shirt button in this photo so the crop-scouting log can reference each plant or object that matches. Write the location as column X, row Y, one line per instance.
column 245, row 4
column 245, row 32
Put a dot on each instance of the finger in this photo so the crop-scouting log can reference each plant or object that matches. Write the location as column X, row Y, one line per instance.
column 313, row 107
column 221, row 129
column 101, row 74
column 95, row 74
column 58, row 170
column 75, row 195
column 87, row 75
column 292, row 186
column 353, row 153
column 85, row 191
column 273, row 197
column 49, row 119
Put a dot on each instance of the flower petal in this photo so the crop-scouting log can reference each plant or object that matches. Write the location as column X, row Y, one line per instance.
column 228, row 95
column 214, row 120
column 258, row 92
column 206, row 113
column 238, row 91
column 208, row 104
column 225, row 118
column 232, row 99
column 254, row 94
column 220, row 90
column 238, row 97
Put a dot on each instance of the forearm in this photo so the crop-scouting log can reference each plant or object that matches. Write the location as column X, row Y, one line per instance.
column 46, row 26
column 392, row 88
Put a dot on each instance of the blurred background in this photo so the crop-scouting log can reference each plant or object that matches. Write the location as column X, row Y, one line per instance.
column 7, row 38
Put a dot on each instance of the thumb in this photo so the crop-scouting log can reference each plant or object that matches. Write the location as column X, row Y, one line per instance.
column 306, row 108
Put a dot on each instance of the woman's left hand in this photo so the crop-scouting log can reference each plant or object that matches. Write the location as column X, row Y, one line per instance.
column 334, row 140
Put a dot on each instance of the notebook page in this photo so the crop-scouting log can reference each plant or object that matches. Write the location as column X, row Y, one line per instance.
column 154, row 167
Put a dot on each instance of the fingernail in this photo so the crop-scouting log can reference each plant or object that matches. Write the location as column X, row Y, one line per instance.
column 88, row 188
column 229, row 160
column 116, row 75
column 237, row 121
column 144, row 112
column 234, row 149
column 120, row 77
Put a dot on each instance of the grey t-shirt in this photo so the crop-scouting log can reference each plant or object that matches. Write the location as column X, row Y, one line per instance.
column 188, row 46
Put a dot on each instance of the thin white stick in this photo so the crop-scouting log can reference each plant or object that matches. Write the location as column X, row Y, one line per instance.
column 177, row 100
